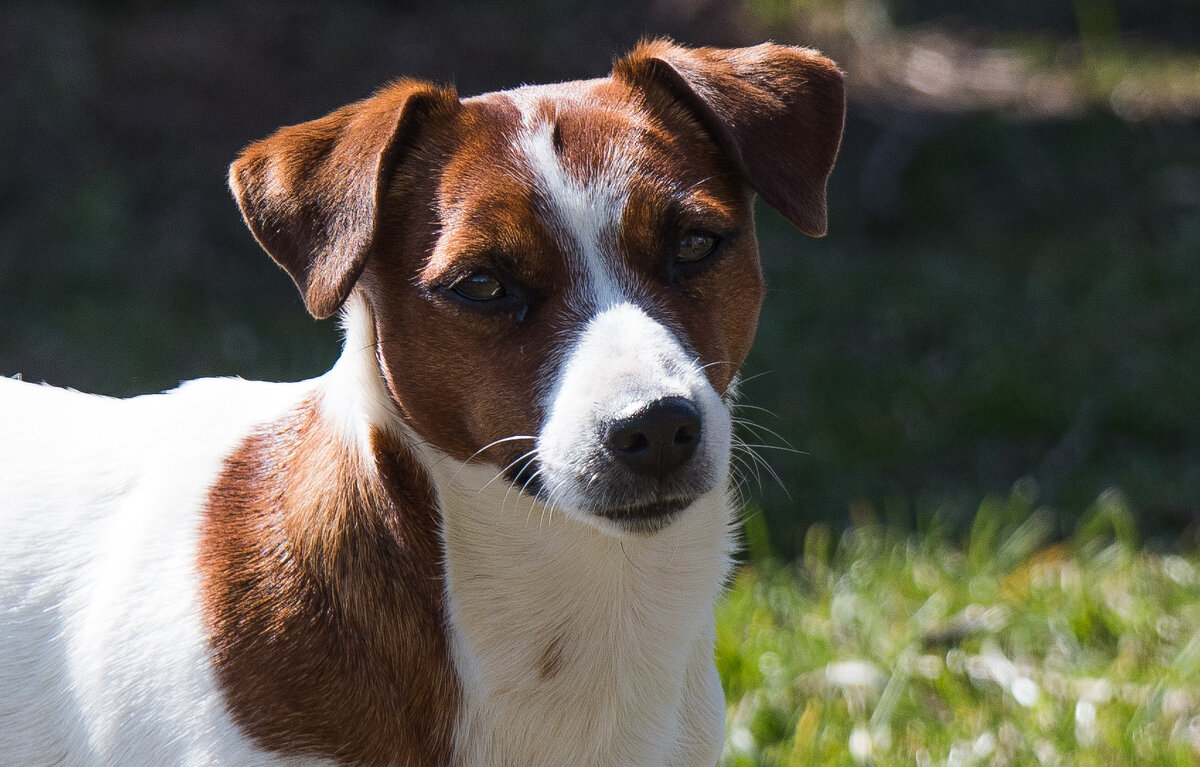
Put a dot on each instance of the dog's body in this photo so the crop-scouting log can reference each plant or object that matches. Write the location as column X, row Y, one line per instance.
column 494, row 533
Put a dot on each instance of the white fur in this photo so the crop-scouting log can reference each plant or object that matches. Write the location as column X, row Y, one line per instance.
column 354, row 396
column 632, row 616
column 103, row 658
column 586, row 212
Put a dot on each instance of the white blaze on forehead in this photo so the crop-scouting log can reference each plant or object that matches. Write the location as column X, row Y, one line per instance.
column 585, row 212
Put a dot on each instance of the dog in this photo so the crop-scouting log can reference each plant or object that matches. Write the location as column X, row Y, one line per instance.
column 494, row 532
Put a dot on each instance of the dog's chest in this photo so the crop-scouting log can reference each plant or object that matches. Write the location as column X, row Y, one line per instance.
column 574, row 647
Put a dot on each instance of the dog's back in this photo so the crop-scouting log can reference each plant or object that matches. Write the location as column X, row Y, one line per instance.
column 102, row 636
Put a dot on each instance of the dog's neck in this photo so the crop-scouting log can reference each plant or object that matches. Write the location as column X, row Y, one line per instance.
column 560, row 628
column 354, row 398
column 553, row 623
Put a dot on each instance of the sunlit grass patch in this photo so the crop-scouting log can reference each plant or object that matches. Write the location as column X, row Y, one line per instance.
column 886, row 648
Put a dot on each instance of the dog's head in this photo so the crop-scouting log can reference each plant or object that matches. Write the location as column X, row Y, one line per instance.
column 563, row 279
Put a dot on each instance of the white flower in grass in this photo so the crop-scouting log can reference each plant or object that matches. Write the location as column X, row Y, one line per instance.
column 1046, row 753
column 1085, row 722
column 855, row 673
column 1025, row 690
column 742, row 741
column 1098, row 690
column 1176, row 702
column 984, row 745
column 1179, row 570
column 860, row 745
column 929, row 666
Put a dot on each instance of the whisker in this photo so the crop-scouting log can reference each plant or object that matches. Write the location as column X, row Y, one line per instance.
column 748, row 406
column 753, row 377
column 760, row 430
column 699, row 183
column 704, row 367
column 495, row 442
column 508, row 466
column 533, row 499
column 470, row 458
column 780, row 448
column 504, row 500
column 626, row 555
column 746, row 470
column 774, row 475
column 751, row 469
column 552, row 498
column 750, row 452
column 740, row 491
column 546, row 499
column 512, row 486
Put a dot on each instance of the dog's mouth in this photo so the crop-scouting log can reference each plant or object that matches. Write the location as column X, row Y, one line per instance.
column 643, row 516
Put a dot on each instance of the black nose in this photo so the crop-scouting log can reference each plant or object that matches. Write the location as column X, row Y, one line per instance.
column 657, row 439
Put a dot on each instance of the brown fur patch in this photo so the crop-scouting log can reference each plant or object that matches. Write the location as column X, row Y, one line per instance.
column 462, row 204
column 322, row 587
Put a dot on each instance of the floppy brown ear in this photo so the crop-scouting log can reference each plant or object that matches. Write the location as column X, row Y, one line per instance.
column 776, row 110
column 310, row 193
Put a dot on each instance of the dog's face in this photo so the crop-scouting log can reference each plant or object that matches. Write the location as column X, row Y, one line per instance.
column 564, row 279
column 584, row 273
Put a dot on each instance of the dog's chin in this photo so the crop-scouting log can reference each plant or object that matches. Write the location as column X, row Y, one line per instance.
column 640, row 517
column 643, row 518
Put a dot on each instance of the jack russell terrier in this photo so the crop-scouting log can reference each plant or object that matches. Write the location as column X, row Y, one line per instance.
column 493, row 534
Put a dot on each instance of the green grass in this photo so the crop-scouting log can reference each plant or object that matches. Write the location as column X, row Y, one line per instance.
column 897, row 648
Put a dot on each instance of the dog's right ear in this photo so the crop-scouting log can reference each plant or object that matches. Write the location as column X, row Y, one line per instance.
column 310, row 193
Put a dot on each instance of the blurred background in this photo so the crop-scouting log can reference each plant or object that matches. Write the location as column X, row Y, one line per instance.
column 1009, row 295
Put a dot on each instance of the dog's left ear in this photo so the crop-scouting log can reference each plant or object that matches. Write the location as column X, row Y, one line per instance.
column 776, row 110
column 310, row 193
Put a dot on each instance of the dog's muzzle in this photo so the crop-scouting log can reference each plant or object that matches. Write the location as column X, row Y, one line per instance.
column 634, row 432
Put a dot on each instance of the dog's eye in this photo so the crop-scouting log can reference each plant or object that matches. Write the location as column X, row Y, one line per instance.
column 696, row 246
column 479, row 287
